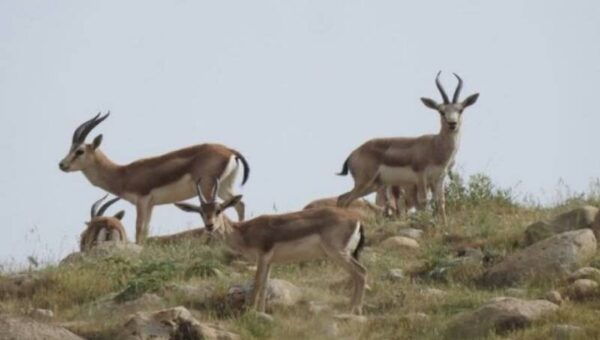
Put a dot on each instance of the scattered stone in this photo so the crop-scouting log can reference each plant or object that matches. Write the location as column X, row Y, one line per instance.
column 167, row 324
column 584, row 273
column 551, row 259
column 411, row 233
column 582, row 289
column 399, row 243
column 279, row 293
column 104, row 250
column 579, row 218
column 25, row 328
column 566, row 332
column 41, row 314
column 395, row 274
column 554, row 297
column 499, row 315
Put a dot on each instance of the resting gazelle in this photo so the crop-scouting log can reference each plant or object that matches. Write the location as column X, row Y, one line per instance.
column 310, row 234
column 102, row 228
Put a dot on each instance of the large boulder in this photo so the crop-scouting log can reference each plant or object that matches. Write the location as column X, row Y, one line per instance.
column 167, row 324
column 104, row 250
column 279, row 293
column 575, row 219
column 498, row 315
column 551, row 259
column 25, row 328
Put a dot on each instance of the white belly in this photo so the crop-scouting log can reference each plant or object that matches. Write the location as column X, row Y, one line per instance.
column 180, row 190
column 404, row 175
column 305, row 249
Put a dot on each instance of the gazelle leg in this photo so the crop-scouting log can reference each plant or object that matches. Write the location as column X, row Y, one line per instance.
column 357, row 272
column 142, row 221
column 440, row 200
column 260, row 282
column 421, row 192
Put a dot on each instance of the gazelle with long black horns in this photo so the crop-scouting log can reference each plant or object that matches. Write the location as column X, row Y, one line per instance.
column 158, row 180
column 422, row 161
column 309, row 234
column 102, row 228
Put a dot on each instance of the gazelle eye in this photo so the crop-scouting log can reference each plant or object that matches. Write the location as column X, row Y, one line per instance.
column 79, row 152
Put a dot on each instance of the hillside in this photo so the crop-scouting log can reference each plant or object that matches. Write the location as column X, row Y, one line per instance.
column 434, row 283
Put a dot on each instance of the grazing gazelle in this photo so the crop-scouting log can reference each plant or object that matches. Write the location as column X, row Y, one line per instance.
column 102, row 228
column 153, row 181
column 421, row 161
column 309, row 234
column 362, row 206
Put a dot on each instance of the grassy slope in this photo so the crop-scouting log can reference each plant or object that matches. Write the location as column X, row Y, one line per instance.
column 479, row 215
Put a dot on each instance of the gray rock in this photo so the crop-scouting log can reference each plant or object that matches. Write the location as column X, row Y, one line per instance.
column 584, row 273
column 554, row 296
column 25, row 328
column 498, row 315
column 400, row 243
column 551, row 259
column 279, row 293
column 104, row 250
column 41, row 314
column 411, row 232
column 167, row 324
column 582, row 289
column 395, row 274
column 579, row 218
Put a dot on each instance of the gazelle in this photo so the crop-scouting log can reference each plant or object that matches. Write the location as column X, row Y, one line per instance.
column 421, row 161
column 153, row 181
column 362, row 206
column 310, row 234
column 102, row 228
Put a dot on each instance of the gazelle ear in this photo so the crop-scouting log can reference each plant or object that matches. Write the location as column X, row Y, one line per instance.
column 97, row 141
column 430, row 103
column 231, row 202
column 187, row 207
column 119, row 215
column 470, row 100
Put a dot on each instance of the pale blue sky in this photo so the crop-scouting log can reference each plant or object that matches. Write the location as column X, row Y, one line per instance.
column 294, row 85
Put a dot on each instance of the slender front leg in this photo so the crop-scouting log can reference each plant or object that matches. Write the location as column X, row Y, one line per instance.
column 440, row 200
column 421, row 192
column 143, row 212
column 260, row 282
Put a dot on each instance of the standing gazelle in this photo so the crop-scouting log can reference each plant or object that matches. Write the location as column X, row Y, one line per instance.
column 309, row 234
column 102, row 228
column 153, row 181
column 421, row 161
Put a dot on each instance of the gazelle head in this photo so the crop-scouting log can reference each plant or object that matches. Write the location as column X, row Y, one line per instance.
column 450, row 112
column 98, row 222
column 210, row 210
column 82, row 155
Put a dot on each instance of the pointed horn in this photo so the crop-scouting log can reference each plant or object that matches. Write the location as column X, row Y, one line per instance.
column 441, row 88
column 106, row 205
column 215, row 189
column 95, row 206
column 199, row 190
column 84, row 129
column 458, row 88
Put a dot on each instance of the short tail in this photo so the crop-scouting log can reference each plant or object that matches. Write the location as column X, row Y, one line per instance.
column 361, row 243
column 240, row 157
column 344, row 171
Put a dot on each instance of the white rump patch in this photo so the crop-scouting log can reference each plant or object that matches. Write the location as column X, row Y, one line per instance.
column 354, row 239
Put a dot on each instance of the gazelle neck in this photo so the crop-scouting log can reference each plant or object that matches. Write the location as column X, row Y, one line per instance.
column 104, row 173
column 447, row 143
column 229, row 233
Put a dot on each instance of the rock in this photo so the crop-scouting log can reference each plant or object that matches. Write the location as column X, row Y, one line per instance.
column 582, row 289
column 551, row 259
column 167, row 324
column 25, row 328
column 41, row 314
column 104, row 250
column 584, row 273
column 411, row 233
column 399, row 243
column 499, row 315
column 395, row 274
column 279, row 293
column 566, row 332
column 554, row 296
column 579, row 218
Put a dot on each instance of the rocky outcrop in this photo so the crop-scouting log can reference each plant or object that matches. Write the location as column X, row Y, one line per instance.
column 498, row 315
column 551, row 259
column 102, row 251
column 580, row 218
column 279, row 293
column 25, row 328
column 400, row 243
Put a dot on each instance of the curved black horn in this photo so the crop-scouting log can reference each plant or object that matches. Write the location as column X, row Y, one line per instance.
column 199, row 190
column 458, row 88
column 84, row 129
column 441, row 89
column 95, row 206
column 106, row 205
